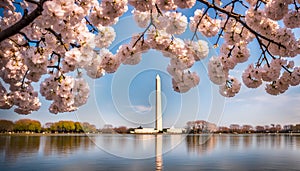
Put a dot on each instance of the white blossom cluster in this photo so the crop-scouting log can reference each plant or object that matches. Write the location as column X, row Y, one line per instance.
column 265, row 23
column 182, row 54
column 71, row 37
column 231, row 89
column 208, row 26
column 25, row 100
column 67, row 93
column 64, row 43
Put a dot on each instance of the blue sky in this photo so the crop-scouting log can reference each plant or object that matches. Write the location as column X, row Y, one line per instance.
column 127, row 97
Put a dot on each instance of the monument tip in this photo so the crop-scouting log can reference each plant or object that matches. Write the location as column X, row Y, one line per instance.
column 157, row 76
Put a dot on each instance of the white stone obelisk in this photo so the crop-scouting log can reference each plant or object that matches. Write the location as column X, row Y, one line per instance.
column 158, row 123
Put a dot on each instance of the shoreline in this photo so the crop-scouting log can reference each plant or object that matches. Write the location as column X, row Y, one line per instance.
column 46, row 134
column 93, row 134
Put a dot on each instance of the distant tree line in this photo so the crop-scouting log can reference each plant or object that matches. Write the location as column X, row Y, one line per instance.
column 196, row 127
column 272, row 128
column 28, row 125
column 201, row 126
column 69, row 127
column 21, row 125
column 109, row 129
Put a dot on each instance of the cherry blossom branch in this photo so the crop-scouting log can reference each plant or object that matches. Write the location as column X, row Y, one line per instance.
column 33, row 2
column 257, row 5
column 221, row 32
column 230, row 51
column 259, row 61
column 296, row 6
column 58, row 37
column 285, row 68
column 23, row 79
column 75, row 45
column 241, row 31
column 147, row 28
column 204, row 13
column 59, row 78
column 238, row 17
column 229, row 3
column 228, row 83
column 142, row 35
column 24, row 45
column 25, row 21
column 91, row 25
column 158, row 10
column 235, row 1
column 264, row 49
column 37, row 42
column 58, row 62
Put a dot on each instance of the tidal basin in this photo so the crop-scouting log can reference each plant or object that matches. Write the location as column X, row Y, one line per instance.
column 150, row 152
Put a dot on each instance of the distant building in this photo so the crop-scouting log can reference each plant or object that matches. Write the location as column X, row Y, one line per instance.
column 287, row 127
column 145, row 131
column 175, row 130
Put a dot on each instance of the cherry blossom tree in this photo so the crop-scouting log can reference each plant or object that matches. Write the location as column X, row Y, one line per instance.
column 47, row 41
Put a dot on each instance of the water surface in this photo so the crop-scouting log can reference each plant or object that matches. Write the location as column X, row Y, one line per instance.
column 150, row 152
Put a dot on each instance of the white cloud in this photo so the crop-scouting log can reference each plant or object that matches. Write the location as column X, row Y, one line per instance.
column 141, row 108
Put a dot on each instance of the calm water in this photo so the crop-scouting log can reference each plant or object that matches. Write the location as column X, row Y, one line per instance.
column 150, row 152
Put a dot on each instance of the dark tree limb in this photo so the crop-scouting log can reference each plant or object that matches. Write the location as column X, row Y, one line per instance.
column 25, row 21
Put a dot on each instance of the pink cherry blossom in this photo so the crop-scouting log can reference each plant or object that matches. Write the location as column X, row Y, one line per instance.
column 252, row 77
column 141, row 18
column 129, row 55
column 216, row 72
column 240, row 53
column 56, row 43
column 185, row 3
column 276, row 9
column 184, row 83
column 230, row 88
column 208, row 26
column 166, row 5
column 295, row 77
column 110, row 62
column 81, row 90
column 106, row 35
column 26, row 100
column 292, row 19
column 177, row 23
column 142, row 5
column 6, row 100
column 199, row 49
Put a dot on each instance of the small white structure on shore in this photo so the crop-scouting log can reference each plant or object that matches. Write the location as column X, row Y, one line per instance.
column 145, row 131
column 175, row 130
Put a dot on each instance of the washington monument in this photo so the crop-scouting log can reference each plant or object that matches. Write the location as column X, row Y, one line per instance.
column 158, row 122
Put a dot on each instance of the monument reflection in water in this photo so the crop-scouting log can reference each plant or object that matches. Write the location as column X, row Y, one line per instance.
column 158, row 152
